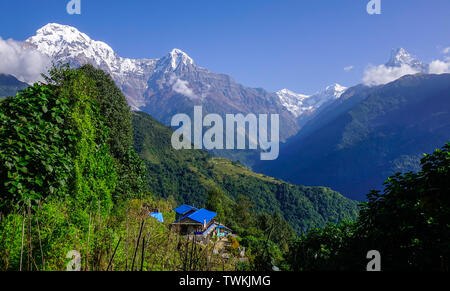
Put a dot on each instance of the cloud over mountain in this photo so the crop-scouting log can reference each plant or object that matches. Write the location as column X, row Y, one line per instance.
column 440, row 67
column 382, row 74
column 400, row 64
column 181, row 87
column 23, row 63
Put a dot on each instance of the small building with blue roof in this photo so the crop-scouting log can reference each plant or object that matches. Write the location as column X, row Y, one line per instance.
column 184, row 210
column 193, row 221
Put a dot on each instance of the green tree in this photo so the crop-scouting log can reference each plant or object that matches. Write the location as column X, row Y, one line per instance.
column 36, row 146
column 114, row 112
column 215, row 203
column 244, row 215
column 409, row 224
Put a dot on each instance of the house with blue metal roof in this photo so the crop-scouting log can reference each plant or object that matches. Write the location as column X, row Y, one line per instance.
column 184, row 210
column 193, row 221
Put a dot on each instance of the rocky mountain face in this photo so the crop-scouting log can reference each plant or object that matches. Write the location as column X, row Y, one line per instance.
column 65, row 44
column 178, row 85
column 162, row 87
column 175, row 84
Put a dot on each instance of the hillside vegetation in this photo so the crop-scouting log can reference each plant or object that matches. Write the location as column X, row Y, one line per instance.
column 408, row 224
column 72, row 185
column 71, row 181
column 188, row 176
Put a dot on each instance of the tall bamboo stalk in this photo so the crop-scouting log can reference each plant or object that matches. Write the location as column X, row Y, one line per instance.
column 30, row 251
column 23, row 233
column 39, row 236
column 137, row 245
column 142, row 253
column 40, row 244
column 87, row 244
column 112, row 257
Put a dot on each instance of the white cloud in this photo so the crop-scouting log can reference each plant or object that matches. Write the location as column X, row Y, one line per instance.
column 440, row 67
column 348, row 69
column 181, row 87
column 23, row 63
column 446, row 50
column 379, row 75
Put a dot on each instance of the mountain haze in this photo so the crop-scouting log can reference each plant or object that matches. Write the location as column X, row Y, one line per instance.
column 9, row 85
column 188, row 175
column 367, row 135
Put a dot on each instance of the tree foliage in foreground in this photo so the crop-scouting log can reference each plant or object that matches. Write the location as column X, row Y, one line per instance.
column 67, row 184
column 70, row 180
column 59, row 170
column 409, row 224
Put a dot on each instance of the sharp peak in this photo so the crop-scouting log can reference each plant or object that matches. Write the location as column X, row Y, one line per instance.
column 56, row 24
column 53, row 25
column 399, row 53
column 66, row 32
column 335, row 89
column 290, row 92
column 175, row 53
column 286, row 91
column 399, row 50
column 177, row 56
column 335, row 86
column 400, row 56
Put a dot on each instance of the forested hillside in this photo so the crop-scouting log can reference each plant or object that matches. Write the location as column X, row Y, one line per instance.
column 71, row 180
column 188, row 175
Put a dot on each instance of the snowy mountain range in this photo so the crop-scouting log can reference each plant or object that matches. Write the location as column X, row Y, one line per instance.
column 300, row 104
column 161, row 87
column 174, row 83
column 66, row 44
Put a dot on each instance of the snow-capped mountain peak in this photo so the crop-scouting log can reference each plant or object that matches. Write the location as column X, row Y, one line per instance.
column 289, row 92
column 330, row 93
column 56, row 40
column 66, row 44
column 299, row 104
column 292, row 101
column 335, row 90
column 400, row 57
column 178, row 56
column 176, row 60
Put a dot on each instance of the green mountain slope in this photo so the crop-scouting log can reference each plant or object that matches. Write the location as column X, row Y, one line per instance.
column 188, row 175
column 9, row 85
column 369, row 135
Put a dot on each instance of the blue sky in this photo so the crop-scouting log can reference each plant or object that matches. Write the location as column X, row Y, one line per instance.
column 295, row 44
